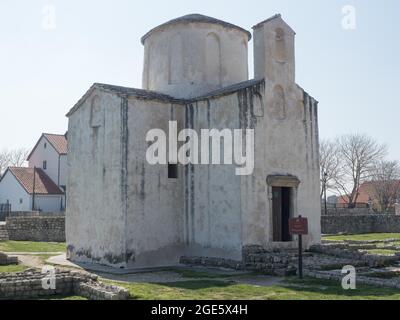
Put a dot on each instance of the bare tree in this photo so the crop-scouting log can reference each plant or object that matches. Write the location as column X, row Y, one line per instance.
column 329, row 164
column 18, row 157
column 385, row 183
column 12, row 158
column 357, row 153
column 4, row 158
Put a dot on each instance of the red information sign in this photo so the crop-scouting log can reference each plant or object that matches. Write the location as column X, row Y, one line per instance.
column 298, row 226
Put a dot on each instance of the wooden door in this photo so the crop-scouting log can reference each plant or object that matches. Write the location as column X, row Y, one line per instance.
column 277, row 214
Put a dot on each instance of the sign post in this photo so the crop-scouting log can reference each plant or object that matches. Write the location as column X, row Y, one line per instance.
column 299, row 226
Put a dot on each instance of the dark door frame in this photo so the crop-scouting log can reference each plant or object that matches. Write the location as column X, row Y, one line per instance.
column 277, row 183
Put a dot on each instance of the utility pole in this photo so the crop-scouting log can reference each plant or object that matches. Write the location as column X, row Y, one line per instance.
column 325, row 179
column 33, row 191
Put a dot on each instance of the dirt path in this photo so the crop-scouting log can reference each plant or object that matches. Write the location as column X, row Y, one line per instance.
column 30, row 260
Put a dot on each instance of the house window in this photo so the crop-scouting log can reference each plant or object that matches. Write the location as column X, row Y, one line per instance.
column 44, row 165
column 45, row 145
column 21, row 201
column 172, row 171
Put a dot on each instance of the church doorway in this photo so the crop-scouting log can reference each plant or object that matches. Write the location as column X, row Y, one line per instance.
column 281, row 213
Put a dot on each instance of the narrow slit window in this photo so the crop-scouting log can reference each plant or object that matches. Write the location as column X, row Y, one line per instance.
column 44, row 165
column 172, row 171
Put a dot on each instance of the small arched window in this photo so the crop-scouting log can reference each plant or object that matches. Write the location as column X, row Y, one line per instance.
column 175, row 72
column 213, row 59
column 280, row 45
column 258, row 105
column 278, row 105
column 96, row 113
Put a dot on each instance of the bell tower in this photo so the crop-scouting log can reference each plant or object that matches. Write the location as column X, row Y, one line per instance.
column 274, row 52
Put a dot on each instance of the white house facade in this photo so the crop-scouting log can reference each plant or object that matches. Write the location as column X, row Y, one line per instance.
column 50, row 154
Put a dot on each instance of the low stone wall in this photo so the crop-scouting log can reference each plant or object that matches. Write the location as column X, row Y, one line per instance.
column 346, row 211
column 33, row 226
column 29, row 285
column 5, row 260
column 359, row 223
column 254, row 258
column 338, row 276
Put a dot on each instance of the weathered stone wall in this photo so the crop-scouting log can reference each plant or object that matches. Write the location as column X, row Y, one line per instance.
column 6, row 260
column 29, row 284
column 46, row 227
column 360, row 223
column 347, row 211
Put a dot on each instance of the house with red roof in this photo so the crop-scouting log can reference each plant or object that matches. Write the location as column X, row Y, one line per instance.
column 367, row 195
column 50, row 154
column 30, row 189
column 41, row 185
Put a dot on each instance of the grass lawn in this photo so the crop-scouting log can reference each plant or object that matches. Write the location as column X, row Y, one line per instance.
column 13, row 268
column 28, row 246
column 290, row 289
column 382, row 252
column 362, row 237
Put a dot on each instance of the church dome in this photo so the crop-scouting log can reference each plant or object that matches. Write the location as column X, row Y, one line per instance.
column 192, row 18
column 194, row 54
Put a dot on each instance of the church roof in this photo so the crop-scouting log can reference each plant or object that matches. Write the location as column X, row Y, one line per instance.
column 276, row 16
column 231, row 89
column 154, row 95
column 192, row 18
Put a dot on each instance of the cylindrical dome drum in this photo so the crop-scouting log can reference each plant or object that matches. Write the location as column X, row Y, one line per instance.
column 193, row 55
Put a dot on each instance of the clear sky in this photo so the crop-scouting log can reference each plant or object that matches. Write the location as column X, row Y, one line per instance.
column 48, row 61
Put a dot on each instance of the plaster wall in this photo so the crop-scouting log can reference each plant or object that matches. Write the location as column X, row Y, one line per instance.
column 45, row 152
column 96, row 212
column 63, row 170
column 212, row 208
column 188, row 60
column 49, row 203
column 154, row 202
column 12, row 192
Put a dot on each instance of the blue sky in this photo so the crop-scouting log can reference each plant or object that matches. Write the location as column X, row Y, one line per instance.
column 353, row 73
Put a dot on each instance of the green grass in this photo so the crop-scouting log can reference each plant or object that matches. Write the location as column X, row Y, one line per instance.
column 28, row 246
column 290, row 289
column 382, row 252
column 363, row 237
column 13, row 268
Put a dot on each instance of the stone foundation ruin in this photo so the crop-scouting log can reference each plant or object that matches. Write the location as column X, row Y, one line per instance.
column 29, row 285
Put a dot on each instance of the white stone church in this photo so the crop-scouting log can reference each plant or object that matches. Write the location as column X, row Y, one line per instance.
column 127, row 213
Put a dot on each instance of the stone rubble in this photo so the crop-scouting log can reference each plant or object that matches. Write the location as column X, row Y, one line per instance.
column 323, row 261
column 29, row 285
column 6, row 260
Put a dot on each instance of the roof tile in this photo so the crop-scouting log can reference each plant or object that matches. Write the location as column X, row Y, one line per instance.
column 43, row 183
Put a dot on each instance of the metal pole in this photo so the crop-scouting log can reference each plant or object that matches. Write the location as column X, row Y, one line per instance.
column 326, row 209
column 33, row 191
column 325, row 180
column 300, row 257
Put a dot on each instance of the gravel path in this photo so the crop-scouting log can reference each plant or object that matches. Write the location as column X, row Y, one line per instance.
column 30, row 261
